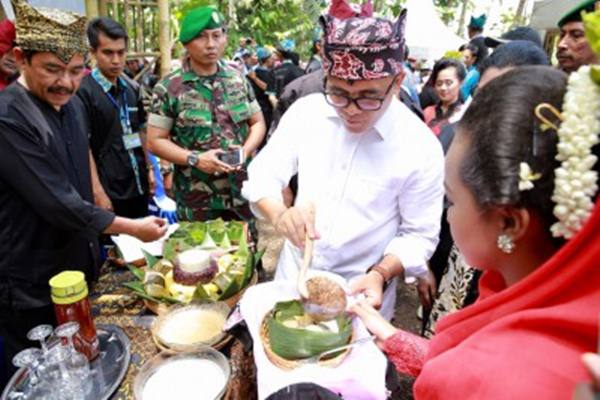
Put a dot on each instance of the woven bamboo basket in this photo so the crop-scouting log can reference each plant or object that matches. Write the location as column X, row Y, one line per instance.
column 287, row 365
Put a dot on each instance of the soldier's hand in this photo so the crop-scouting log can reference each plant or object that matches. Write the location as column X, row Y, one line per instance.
column 295, row 223
column 150, row 228
column 209, row 163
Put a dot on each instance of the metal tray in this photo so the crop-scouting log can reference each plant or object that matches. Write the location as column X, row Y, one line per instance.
column 107, row 370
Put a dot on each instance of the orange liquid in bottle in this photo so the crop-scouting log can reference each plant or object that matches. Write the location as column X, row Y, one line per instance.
column 71, row 303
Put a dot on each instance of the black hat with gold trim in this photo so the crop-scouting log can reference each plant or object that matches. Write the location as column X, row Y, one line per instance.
column 50, row 30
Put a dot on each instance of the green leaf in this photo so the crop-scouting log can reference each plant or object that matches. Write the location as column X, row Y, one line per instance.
column 208, row 242
column 138, row 288
column 235, row 229
column 225, row 243
column 288, row 309
column 257, row 257
column 216, row 229
column 200, row 293
column 595, row 74
column 591, row 23
column 197, row 231
column 298, row 343
column 137, row 272
column 150, row 259
column 243, row 251
column 230, row 290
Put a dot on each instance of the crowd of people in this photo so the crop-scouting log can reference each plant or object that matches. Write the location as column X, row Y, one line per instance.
column 477, row 176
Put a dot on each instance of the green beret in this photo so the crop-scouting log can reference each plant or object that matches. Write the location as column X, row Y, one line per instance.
column 575, row 14
column 199, row 19
column 479, row 22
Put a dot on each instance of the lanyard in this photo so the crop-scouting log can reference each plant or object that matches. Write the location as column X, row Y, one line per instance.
column 123, row 111
column 126, row 127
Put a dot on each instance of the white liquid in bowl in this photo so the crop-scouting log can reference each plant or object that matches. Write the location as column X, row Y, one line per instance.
column 186, row 379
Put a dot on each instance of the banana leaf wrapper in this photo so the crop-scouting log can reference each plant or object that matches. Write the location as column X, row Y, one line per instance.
column 298, row 343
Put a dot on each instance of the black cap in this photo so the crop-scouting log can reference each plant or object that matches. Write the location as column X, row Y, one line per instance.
column 518, row 33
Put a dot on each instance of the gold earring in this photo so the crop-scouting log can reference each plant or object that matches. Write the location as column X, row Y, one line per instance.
column 506, row 244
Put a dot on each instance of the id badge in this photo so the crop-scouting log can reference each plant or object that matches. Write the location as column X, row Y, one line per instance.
column 132, row 141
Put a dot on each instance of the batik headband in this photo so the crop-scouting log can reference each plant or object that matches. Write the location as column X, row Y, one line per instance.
column 363, row 48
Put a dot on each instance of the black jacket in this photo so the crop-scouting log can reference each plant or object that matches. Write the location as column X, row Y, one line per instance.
column 48, row 222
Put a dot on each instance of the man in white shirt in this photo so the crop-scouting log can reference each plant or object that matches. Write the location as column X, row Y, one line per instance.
column 368, row 165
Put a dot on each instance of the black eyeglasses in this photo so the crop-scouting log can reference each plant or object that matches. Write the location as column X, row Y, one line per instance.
column 362, row 103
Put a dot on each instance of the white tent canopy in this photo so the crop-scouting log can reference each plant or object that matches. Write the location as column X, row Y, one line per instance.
column 546, row 13
column 426, row 35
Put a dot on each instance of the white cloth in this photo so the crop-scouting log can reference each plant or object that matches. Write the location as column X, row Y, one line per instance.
column 376, row 193
column 360, row 376
column 131, row 247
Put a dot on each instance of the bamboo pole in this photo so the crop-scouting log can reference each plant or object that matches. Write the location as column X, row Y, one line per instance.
column 126, row 16
column 164, row 37
column 103, row 8
column 91, row 9
column 139, row 28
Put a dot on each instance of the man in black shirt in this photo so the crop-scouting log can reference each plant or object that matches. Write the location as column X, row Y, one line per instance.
column 263, row 83
column 48, row 222
column 120, row 176
column 287, row 71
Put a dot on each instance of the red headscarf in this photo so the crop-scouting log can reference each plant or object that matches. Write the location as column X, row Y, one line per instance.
column 7, row 36
column 525, row 341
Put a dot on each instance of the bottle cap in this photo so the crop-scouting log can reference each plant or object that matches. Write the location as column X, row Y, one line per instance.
column 68, row 287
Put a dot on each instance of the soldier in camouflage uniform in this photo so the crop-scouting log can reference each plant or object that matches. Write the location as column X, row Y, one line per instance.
column 200, row 111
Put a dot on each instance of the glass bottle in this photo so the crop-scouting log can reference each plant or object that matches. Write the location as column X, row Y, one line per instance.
column 71, row 303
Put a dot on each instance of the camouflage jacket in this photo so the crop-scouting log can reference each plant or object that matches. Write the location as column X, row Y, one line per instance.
column 204, row 113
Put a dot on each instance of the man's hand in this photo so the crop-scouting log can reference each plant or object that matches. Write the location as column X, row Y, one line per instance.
column 209, row 163
column 371, row 286
column 149, row 229
column 151, row 182
column 426, row 286
column 102, row 200
column 168, row 184
column 295, row 223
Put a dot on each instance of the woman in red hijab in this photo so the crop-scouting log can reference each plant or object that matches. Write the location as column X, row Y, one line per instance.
column 8, row 67
column 539, row 296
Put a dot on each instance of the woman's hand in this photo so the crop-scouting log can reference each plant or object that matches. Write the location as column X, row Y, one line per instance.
column 374, row 322
column 371, row 286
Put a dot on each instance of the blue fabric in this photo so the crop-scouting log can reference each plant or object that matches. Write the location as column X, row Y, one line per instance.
column 470, row 83
column 410, row 84
column 159, row 194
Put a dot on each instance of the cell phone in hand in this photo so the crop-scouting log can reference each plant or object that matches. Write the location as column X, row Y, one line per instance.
column 233, row 158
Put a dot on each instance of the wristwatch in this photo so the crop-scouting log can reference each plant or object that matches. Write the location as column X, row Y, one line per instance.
column 192, row 159
column 166, row 169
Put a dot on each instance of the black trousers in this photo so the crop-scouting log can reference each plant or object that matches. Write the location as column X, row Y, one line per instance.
column 14, row 325
column 135, row 207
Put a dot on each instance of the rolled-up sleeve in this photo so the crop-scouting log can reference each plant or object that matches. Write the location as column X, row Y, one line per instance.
column 161, row 111
column 270, row 172
column 39, row 178
column 421, row 206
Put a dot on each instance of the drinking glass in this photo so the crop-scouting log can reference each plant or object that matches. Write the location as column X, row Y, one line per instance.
column 76, row 363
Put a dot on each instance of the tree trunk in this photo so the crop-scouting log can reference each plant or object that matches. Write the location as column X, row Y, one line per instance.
column 164, row 37
column 91, row 9
column 520, row 14
column 463, row 18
